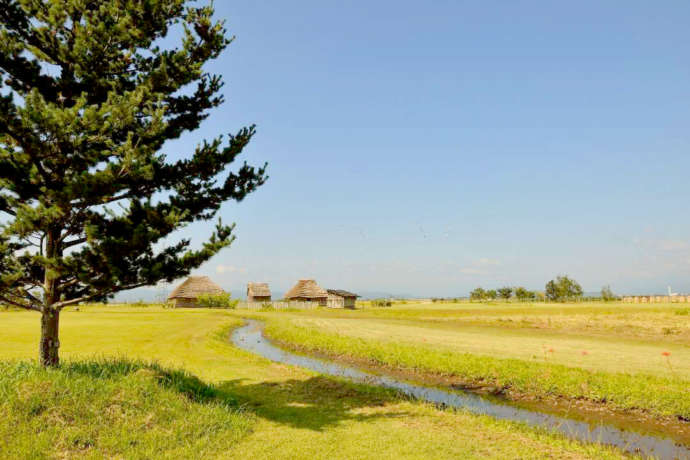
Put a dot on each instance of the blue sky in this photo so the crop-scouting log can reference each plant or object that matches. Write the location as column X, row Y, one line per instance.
column 427, row 148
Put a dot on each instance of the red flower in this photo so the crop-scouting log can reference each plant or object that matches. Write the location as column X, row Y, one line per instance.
column 665, row 353
column 551, row 350
column 585, row 352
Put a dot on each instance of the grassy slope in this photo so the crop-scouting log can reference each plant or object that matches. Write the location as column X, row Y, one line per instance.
column 453, row 344
column 297, row 414
column 113, row 409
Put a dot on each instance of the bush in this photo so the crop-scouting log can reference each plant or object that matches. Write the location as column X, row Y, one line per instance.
column 523, row 295
column 217, row 301
column 505, row 293
column 607, row 294
column 478, row 294
column 381, row 303
column 563, row 289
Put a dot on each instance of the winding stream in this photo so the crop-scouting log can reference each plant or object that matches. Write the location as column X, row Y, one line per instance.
column 251, row 338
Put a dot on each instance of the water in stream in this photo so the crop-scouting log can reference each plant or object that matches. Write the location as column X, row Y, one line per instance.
column 251, row 338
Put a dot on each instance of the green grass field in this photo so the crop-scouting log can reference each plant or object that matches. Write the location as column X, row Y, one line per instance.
column 241, row 406
column 625, row 356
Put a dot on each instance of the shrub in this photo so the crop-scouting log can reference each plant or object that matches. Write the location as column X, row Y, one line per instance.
column 563, row 289
column 217, row 301
column 607, row 294
column 505, row 293
column 381, row 303
column 478, row 294
column 524, row 295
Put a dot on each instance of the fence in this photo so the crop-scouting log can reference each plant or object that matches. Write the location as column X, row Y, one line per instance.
column 278, row 305
column 656, row 299
column 295, row 304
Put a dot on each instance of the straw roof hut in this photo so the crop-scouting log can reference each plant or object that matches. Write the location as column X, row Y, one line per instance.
column 187, row 293
column 258, row 292
column 337, row 298
column 308, row 291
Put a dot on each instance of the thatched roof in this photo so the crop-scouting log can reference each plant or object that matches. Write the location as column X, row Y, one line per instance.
column 194, row 286
column 258, row 290
column 306, row 289
column 341, row 293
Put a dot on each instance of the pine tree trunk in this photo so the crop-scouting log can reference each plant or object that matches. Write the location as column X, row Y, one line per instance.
column 48, row 350
column 50, row 317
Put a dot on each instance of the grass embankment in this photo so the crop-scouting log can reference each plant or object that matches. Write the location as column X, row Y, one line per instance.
column 622, row 372
column 291, row 413
column 113, row 408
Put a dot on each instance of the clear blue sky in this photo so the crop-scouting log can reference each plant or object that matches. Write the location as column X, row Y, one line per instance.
column 426, row 148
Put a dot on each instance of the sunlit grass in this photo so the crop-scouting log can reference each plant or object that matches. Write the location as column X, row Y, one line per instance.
column 601, row 363
column 290, row 413
column 110, row 408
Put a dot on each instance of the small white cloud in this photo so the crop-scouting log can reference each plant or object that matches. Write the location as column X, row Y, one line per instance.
column 229, row 269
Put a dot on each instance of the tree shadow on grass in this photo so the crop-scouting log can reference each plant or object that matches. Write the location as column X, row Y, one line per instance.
column 176, row 379
column 315, row 403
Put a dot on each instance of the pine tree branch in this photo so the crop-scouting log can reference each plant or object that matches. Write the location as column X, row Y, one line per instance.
column 20, row 305
column 70, row 283
column 67, row 303
column 76, row 242
column 5, row 207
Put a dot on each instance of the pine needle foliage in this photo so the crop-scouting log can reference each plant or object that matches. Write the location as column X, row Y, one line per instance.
column 89, row 96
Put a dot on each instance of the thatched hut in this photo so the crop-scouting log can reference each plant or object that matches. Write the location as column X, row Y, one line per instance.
column 258, row 292
column 337, row 298
column 308, row 291
column 187, row 293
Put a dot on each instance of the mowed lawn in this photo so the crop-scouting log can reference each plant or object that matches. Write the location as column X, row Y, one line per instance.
column 292, row 413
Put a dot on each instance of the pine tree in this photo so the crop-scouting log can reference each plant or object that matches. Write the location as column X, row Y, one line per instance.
column 88, row 98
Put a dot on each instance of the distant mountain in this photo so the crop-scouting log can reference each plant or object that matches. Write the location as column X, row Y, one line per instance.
column 383, row 295
column 144, row 294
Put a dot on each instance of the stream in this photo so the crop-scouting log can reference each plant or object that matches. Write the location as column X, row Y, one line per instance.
column 250, row 338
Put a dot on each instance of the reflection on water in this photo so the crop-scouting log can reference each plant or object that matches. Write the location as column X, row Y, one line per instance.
column 250, row 338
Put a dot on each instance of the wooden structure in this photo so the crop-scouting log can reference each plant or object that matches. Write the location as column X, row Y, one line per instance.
column 337, row 298
column 278, row 305
column 656, row 299
column 187, row 293
column 258, row 292
column 308, row 291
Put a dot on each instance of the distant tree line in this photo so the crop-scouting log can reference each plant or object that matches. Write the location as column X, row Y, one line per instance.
column 560, row 289
column 506, row 293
